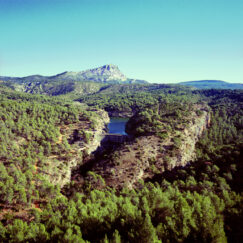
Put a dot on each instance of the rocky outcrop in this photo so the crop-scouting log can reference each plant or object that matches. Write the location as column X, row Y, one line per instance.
column 98, row 133
column 185, row 152
column 105, row 73
column 59, row 170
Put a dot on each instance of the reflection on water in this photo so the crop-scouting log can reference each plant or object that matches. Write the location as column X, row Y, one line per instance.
column 117, row 125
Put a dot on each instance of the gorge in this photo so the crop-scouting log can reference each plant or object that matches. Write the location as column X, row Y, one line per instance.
column 61, row 164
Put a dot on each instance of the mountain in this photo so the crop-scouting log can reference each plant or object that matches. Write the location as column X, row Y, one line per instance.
column 212, row 84
column 106, row 74
column 75, row 83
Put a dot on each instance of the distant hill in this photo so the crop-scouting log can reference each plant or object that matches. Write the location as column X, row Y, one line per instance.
column 106, row 74
column 212, row 84
column 84, row 82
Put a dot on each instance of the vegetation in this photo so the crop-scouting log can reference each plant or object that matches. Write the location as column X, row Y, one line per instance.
column 164, row 118
column 201, row 202
column 33, row 146
column 134, row 98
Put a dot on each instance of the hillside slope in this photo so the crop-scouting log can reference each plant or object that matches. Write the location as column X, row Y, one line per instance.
column 73, row 83
column 105, row 74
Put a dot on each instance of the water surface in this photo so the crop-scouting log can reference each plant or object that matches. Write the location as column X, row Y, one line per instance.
column 117, row 125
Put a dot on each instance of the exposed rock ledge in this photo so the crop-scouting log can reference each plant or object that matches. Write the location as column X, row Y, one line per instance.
column 62, row 169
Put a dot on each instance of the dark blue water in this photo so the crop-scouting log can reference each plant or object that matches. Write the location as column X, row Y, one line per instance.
column 117, row 125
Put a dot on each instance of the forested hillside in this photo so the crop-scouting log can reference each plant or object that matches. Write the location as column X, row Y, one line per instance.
column 133, row 98
column 37, row 146
column 200, row 201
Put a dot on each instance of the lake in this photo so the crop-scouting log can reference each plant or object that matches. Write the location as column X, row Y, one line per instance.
column 117, row 125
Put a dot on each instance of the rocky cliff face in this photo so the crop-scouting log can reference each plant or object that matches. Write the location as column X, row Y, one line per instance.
column 189, row 137
column 84, row 144
column 104, row 74
column 149, row 155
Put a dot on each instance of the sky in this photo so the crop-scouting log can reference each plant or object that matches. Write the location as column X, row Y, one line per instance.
column 161, row 41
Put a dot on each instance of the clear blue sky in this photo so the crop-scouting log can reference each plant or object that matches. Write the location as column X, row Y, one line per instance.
column 156, row 40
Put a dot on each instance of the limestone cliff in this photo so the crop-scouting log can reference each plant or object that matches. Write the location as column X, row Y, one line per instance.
column 84, row 138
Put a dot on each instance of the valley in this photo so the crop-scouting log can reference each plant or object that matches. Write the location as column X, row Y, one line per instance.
column 119, row 159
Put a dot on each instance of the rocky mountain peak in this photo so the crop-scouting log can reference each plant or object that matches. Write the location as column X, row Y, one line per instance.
column 105, row 73
column 110, row 66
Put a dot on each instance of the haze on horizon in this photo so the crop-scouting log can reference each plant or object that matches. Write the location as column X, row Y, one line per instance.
column 155, row 40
